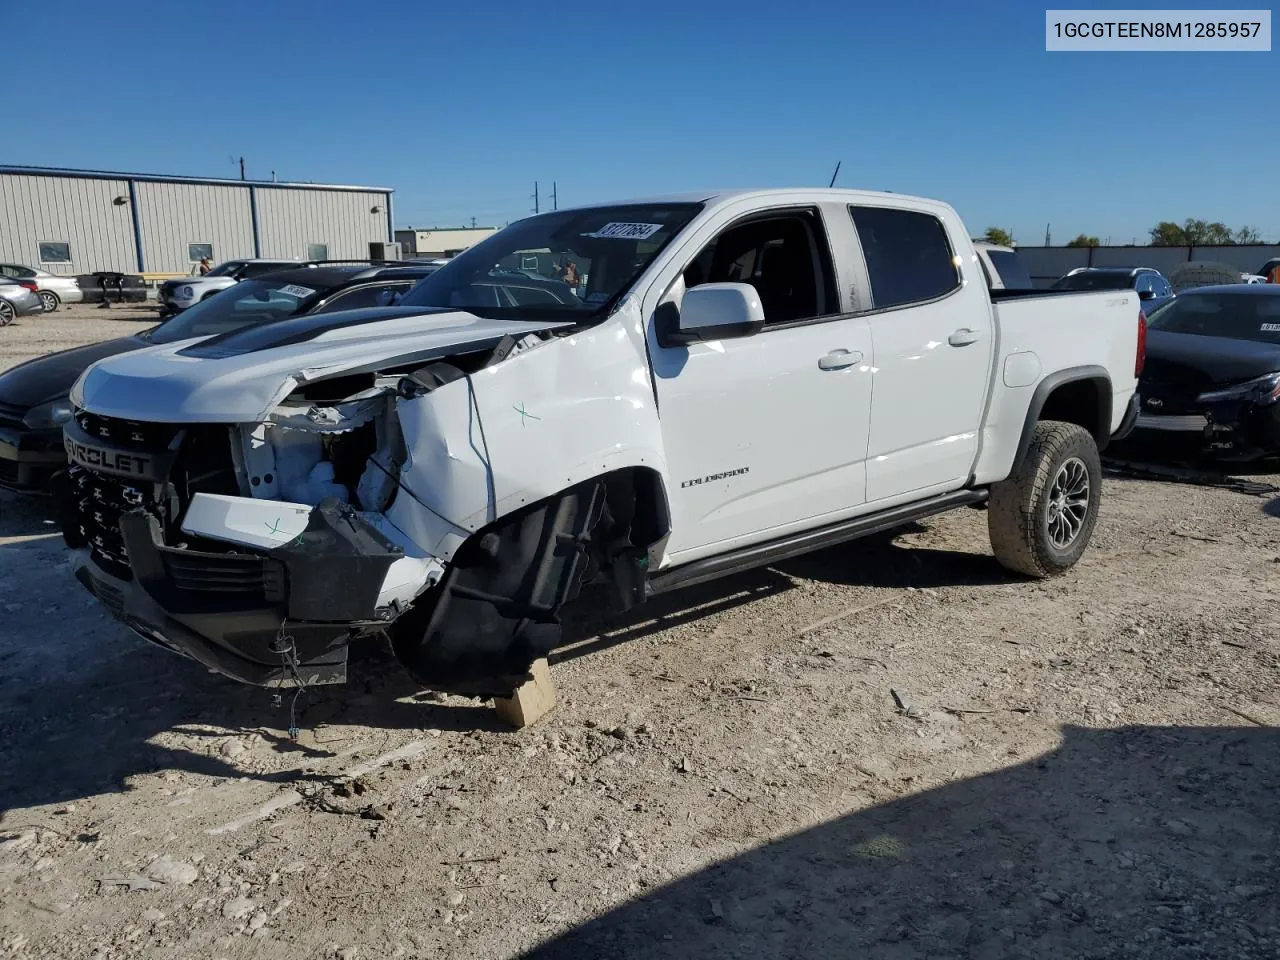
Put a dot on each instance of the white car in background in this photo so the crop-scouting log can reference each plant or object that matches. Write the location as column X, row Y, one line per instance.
column 51, row 290
column 177, row 295
column 1002, row 266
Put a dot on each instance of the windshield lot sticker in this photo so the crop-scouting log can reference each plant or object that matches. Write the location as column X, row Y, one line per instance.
column 1271, row 328
column 626, row 231
column 293, row 290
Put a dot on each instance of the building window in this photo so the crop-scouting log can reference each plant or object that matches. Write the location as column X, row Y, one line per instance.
column 55, row 253
column 317, row 251
column 199, row 251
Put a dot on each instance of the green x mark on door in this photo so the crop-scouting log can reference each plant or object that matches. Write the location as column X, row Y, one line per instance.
column 524, row 414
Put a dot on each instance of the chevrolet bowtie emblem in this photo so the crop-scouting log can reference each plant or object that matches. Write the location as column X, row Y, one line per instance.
column 1155, row 404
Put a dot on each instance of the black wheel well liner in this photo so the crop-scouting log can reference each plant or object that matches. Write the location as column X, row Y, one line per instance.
column 497, row 608
column 1079, row 395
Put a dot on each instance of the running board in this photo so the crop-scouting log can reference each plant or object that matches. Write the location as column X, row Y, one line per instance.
column 793, row 545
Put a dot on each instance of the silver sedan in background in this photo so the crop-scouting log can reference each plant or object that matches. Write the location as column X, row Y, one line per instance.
column 17, row 301
column 51, row 290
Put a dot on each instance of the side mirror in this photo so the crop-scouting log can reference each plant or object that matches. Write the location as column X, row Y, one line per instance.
column 711, row 311
column 1146, row 294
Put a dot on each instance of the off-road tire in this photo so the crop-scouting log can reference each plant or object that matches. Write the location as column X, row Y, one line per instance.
column 1020, row 509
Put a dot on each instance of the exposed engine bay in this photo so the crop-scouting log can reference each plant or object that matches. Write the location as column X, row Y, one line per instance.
column 264, row 549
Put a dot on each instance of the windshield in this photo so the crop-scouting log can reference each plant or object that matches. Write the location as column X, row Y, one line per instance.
column 248, row 302
column 1233, row 315
column 571, row 265
column 225, row 269
column 1013, row 274
column 1094, row 280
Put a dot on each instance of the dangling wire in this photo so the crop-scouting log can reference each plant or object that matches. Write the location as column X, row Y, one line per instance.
column 284, row 645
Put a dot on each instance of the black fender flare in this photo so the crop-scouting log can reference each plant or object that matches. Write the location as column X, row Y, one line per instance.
column 1098, row 376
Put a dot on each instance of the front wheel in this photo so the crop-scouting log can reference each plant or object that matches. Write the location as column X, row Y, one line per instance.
column 1041, row 518
column 49, row 300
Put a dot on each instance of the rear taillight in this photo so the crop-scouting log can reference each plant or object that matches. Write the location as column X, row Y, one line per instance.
column 29, row 284
column 1140, row 360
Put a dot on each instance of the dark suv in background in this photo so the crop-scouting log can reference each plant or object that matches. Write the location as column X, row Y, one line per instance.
column 1154, row 289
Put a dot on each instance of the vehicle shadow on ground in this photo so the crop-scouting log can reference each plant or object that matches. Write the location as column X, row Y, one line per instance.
column 83, row 723
column 1141, row 842
column 26, row 516
column 875, row 561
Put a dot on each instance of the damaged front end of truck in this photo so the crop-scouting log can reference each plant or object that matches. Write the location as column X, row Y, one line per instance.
column 260, row 508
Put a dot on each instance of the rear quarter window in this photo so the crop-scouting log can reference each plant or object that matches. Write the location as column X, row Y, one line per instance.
column 908, row 255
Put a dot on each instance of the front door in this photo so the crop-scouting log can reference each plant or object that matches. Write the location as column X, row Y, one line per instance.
column 765, row 433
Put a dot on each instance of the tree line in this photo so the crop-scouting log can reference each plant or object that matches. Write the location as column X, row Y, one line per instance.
column 1190, row 233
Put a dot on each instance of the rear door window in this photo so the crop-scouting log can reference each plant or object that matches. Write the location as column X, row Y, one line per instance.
column 908, row 255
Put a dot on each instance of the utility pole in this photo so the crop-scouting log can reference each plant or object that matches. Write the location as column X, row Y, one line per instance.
column 242, row 168
column 535, row 196
column 473, row 223
column 554, row 199
column 1048, row 242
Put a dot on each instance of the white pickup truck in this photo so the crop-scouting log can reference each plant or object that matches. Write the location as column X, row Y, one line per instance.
column 745, row 376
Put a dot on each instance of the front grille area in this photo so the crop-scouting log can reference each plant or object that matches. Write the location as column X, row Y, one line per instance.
column 12, row 414
column 99, row 501
column 100, row 498
column 128, row 434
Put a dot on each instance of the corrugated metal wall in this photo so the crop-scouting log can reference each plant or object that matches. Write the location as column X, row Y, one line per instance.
column 76, row 211
column 289, row 220
column 1046, row 264
column 173, row 215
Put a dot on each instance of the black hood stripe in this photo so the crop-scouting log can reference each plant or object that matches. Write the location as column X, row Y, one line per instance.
column 284, row 333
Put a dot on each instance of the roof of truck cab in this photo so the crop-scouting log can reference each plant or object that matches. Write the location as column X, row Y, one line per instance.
column 719, row 197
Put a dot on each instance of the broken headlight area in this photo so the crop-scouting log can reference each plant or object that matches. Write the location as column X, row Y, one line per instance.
column 259, row 550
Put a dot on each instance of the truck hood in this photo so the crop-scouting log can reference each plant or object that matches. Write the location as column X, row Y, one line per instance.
column 49, row 378
column 241, row 376
column 1194, row 360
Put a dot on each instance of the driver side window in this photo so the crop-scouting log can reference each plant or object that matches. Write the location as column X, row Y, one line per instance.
column 785, row 258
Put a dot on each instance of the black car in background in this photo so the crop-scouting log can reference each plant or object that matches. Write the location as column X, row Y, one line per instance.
column 34, row 395
column 1211, row 384
column 1154, row 289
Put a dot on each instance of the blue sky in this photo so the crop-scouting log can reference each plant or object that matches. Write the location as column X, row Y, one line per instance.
column 461, row 107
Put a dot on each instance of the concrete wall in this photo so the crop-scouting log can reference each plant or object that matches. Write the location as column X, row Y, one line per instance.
column 290, row 219
column 1046, row 264
column 80, row 212
column 173, row 215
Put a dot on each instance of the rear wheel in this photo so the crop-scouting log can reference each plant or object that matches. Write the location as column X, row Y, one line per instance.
column 49, row 300
column 1041, row 518
column 6, row 313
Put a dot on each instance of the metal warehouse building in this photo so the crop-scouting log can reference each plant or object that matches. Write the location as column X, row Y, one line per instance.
column 81, row 221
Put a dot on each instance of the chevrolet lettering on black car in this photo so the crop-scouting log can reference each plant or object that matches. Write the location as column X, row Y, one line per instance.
column 111, row 460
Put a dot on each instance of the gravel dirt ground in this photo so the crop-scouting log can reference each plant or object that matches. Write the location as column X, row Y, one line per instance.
column 888, row 750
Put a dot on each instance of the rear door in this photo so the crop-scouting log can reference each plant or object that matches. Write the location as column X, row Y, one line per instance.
column 931, row 327
column 766, row 433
